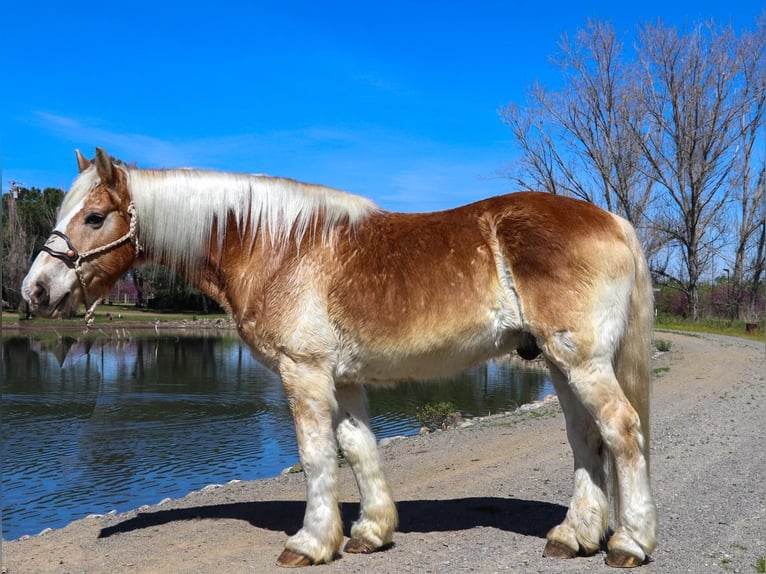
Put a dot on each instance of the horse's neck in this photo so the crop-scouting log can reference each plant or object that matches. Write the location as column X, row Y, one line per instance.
column 222, row 231
column 177, row 211
column 239, row 263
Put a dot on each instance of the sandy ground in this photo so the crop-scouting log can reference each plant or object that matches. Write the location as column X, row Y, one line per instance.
column 478, row 499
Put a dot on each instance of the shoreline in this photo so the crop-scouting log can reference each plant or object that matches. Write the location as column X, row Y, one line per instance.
column 129, row 323
column 479, row 498
column 26, row 515
column 547, row 405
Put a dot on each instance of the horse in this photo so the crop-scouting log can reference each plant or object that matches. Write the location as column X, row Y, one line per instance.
column 334, row 293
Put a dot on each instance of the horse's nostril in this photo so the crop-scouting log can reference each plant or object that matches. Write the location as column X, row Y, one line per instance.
column 41, row 295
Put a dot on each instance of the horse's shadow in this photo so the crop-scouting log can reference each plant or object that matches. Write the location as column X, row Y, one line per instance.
column 531, row 518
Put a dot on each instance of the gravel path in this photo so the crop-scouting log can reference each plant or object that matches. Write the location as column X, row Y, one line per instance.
column 479, row 499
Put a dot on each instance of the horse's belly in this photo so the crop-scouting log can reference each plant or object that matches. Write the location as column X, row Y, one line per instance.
column 427, row 359
column 438, row 340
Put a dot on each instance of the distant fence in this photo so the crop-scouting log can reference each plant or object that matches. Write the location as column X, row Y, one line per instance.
column 123, row 293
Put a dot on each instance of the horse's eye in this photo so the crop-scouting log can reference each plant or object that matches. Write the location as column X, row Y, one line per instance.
column 95, row 220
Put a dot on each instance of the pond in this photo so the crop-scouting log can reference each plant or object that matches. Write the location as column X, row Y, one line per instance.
column 92, row 424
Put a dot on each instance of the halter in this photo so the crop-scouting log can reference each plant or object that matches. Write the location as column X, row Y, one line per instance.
column 74, row 260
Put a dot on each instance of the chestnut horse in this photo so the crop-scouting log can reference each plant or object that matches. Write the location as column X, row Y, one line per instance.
column 333, row 293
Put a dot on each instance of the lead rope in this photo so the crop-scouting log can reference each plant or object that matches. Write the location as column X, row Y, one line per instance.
column 131, row 235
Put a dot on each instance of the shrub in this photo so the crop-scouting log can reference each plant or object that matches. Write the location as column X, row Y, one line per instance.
column 662, row 345
column 435, row 415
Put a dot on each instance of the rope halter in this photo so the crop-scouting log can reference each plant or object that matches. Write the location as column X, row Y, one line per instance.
column 74, row 260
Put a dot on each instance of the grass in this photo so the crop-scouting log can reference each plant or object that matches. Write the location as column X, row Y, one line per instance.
column 523, row 416
column 711, row 326
column 125, row 313
column 131, row 313
column 760, row 565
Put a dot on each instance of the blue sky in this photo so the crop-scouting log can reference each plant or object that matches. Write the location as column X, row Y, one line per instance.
column 397, row 101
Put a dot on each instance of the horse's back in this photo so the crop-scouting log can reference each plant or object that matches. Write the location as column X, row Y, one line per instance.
column 417, row 295
column 456, row 287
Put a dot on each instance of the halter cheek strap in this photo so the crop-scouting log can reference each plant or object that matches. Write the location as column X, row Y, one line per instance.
column 74, row 260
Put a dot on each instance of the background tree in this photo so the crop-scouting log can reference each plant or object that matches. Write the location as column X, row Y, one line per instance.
column 28, row 217
column 666, row 136
column 38, row 210
column 748, row 179
column 579, row 141
column 15, row 248
column 692, row 90
column 171, row 292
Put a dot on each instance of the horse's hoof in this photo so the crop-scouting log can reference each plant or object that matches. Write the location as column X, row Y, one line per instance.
column 359, row 546
column 621, row 559
column 290, row 559
column 558, row 550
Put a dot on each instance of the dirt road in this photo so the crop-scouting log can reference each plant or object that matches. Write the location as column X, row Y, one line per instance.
column 479, row 499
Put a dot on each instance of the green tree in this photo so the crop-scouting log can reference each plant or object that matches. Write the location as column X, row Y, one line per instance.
column 37, row 211
column 28, row 215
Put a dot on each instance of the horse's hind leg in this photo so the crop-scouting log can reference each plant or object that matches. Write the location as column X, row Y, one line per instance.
column 378, row 518
column 594, row 383
column 587, row 518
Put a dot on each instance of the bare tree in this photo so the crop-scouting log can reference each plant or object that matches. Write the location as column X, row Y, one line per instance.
column 748, row 180
column 540, row 167
column 579, row 141
column 668, row 138
column 692, row 93
column 759, row 253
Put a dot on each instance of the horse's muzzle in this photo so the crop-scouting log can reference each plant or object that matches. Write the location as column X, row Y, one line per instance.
column 47, row 298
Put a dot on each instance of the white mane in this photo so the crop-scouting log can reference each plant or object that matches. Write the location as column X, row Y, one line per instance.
column 176, row 208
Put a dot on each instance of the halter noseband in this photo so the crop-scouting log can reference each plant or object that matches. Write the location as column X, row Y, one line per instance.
column 74, row 260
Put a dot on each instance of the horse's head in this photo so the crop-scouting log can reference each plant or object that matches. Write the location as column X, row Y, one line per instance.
column 92, row 245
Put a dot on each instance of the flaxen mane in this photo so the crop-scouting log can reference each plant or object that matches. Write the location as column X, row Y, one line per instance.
column 180, row 231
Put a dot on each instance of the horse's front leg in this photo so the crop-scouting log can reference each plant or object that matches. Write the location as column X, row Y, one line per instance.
column 377, row 517
column 310, row 392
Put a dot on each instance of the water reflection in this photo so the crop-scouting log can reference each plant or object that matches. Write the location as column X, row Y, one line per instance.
column 94, row 424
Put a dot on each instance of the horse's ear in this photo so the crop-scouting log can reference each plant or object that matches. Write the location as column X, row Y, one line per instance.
column 82, row 161
column 104, row 167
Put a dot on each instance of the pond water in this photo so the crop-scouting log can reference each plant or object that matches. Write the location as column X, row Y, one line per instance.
column 95, row 424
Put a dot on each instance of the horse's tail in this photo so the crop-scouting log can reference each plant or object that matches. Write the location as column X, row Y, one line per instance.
column 633, row 358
